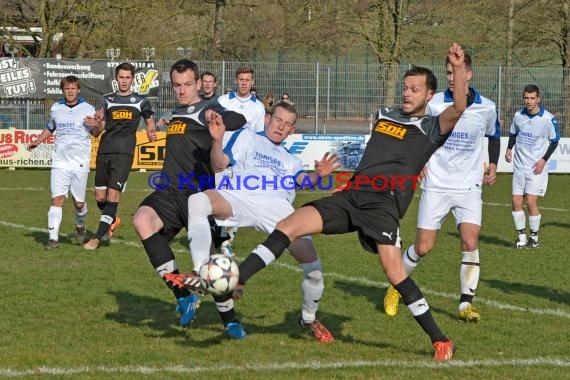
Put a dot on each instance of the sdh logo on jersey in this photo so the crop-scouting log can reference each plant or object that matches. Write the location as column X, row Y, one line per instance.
column 391, row 129
column 122, row 115
column 176, row 128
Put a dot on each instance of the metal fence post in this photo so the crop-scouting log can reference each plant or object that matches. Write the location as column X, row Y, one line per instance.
column 499, row 96
column 27, row 113
column 223, row 89
column 317, row 101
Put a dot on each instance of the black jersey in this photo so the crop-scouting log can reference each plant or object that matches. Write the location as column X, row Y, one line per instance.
column 122, row 118
column 188, row 145
column 212, row 97
column 398, row 148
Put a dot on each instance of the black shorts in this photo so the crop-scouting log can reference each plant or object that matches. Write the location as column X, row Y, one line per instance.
column 112, row 170
column 373, row 214
column 172, row 208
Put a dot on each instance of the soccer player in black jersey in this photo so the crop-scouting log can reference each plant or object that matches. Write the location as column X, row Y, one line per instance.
column 120, row 115
column 381, row 190
column 164, row 213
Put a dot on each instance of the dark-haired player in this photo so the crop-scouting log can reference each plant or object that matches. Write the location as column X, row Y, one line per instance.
column 120, row 115
column 164, row 213
column 401, row 142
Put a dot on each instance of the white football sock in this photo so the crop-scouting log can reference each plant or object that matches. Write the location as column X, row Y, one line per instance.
column 469, row 274
column 410, row 259
column 54, row 220
column 199, row 234
column 520, row 223
column 534, row 224
column 312, row 287
column 80, row 215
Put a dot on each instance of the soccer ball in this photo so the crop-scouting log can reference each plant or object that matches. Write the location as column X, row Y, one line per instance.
column 219, row 275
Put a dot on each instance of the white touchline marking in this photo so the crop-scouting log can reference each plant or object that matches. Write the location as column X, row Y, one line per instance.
column 287, row 366
column 89, row 189
column 304, row 191
column 498, row 305
column 22, row 189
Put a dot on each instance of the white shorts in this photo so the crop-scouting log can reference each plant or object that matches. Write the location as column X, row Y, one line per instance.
column 530, row 183
column 257, row 211
column 63, row 181
column 434, row 206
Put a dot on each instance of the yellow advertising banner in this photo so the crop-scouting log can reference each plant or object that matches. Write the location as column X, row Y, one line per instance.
column 148, row 155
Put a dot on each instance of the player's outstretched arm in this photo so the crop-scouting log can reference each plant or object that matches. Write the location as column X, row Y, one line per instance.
column 449, row 117
column 328, row 164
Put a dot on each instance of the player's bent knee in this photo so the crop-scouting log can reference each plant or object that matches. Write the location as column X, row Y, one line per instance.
column 313, row 271
column 423, row 249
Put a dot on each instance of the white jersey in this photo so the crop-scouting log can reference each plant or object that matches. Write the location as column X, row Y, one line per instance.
column 260, row 166
column 457, row 166
column 250, row 107
column 534, row 134
column 72, row 137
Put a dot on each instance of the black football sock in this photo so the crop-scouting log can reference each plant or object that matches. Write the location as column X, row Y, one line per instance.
column 275, row 243
column 225, row 306
column 417, row 304
column 101, row 205
column 107, row 218
column 160, row 253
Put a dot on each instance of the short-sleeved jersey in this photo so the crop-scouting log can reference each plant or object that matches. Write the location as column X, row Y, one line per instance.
column 72, row 141
column 188, row 145
column 458, row 165
column 122, row 118
column 398, row 148
column 271, row 170
column 251, row 107
column 533, row 135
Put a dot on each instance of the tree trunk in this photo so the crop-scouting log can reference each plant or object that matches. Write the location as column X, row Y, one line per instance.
column 508, row 91
column 219, row 26
column 565, row 55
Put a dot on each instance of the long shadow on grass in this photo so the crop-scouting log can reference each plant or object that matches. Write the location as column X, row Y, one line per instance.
column 42, row 237
column 555, row 224
column 488, row 239
column 376, row 297
column 208, row 319
column 554, row 295
column 147, row 312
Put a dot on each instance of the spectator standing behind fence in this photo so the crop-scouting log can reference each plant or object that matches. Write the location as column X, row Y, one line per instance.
column 268, row 102
column 120, row 115
column 209, row 85
column 285, row 98
column 534, row 134
column 72, row 120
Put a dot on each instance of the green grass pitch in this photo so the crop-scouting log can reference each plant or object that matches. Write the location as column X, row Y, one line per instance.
column 70, row 313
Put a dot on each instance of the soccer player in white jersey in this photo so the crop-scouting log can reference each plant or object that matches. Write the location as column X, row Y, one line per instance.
column 534, row 133
column 243, row 101
column 453, row 179
column 72, row 120
column 258, row 194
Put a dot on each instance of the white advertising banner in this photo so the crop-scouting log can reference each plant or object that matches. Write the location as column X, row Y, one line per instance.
column 309, row 147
